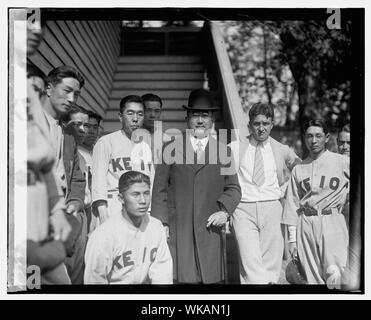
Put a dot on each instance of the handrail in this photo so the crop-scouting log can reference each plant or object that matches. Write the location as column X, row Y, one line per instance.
column 226, row 81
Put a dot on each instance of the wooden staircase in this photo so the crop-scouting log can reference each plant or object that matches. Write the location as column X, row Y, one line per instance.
column 170, row 77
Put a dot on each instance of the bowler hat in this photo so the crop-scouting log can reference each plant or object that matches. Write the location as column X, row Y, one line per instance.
column 200, row 99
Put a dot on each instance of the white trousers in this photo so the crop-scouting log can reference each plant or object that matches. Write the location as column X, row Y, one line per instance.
column 322, row 242
column 257, row 228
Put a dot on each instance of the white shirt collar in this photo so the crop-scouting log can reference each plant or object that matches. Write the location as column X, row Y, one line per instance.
column 83, row 149
column 195, row 141
column 255, row 143
column 50, row 118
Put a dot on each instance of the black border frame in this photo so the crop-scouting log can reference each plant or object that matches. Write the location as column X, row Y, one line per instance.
column 357, row 227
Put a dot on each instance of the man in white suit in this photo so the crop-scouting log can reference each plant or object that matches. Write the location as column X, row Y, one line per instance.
column 263, row 166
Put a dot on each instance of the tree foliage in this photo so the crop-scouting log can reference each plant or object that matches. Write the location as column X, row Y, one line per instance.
column 302, row 66
column 320, row 60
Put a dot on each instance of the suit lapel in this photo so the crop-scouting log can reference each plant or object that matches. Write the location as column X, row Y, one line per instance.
column 189, row 154
column 244, row 144
column 278, row 159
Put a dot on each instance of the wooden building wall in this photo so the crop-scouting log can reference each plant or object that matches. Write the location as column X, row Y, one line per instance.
column 93, row 47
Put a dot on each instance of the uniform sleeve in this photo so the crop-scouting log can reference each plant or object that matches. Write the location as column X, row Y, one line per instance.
column 346, row 167
column 98, row 259
column 290, row 214
column 161, row 270
column 101, row 157
column 291, row 160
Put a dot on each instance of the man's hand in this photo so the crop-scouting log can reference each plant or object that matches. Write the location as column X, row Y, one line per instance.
column 334, row 278
column 167, row 232
column 74, row 206
column 60, row 225
column 293, row 250
column 217, row 219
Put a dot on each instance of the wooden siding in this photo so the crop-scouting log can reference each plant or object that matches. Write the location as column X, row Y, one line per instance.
column 93, row 47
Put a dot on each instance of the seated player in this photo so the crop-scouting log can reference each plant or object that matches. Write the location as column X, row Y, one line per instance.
column 131, row 247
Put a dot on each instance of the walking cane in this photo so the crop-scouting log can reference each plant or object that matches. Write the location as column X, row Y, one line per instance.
column 224, row 252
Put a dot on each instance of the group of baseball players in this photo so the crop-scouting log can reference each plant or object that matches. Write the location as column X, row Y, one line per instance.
column 103, row 210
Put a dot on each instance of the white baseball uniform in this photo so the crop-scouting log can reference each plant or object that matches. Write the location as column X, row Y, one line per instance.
column 322, row 239
column 120, row 253
column 113, row 155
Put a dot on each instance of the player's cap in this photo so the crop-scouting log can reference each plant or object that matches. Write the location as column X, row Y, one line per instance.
column 293, row 274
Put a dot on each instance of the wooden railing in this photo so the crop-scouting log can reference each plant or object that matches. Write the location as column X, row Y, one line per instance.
column 221, row 79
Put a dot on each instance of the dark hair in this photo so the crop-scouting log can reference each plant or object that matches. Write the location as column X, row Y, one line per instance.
column 73, row 110
column 316, row 123
column 152, row 97
column 130, row 98
column 265, row 109
column 57, row 74
column 129, row 178
column 94, row 115
column 33, row 71
column 345, row 128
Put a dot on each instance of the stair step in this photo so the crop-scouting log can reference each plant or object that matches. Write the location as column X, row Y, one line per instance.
column 168, row 115
column 153, row 85
column 166, row 104
column 159, row 59
column 182, row 126
column 177, row 114
column 167, row 67
column 164, row 94
column 159, row 76
column 110, row 126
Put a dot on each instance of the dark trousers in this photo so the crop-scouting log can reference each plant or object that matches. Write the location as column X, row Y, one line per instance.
column 75, row 264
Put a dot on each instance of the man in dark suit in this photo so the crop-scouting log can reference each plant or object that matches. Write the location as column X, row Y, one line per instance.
column 63, row 88
column 194, row 198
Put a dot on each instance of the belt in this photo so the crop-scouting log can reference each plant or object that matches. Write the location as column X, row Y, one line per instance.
column 310, row 211
column 261, row 201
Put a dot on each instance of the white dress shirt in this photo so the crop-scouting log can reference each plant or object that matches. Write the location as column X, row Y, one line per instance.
column 270, row 189
column 195, row 141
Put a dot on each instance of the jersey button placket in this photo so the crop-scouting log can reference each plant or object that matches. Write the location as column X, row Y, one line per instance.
column 137, row 263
